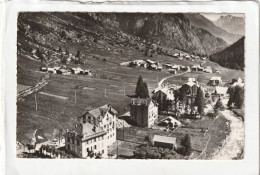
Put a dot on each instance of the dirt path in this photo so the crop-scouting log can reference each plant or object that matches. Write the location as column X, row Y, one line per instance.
column 234, row 144
column 162, row 80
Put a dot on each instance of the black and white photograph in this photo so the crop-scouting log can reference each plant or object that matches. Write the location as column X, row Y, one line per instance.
column 110, row 85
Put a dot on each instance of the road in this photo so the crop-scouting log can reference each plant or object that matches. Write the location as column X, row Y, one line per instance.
column 175, row 75
column 234, row 144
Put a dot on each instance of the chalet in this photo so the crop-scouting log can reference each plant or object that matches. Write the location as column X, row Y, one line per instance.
column 191, row 79
column 104, row 117
column 44, row 69
column 208, row 70
column 56, row 67
column 87, row 72
column 176, row 55
column 86, row 139
column 200, row 68
column 61, row 71
column 215, row 81
column 168, row 65
column 176, row 67
column 164, row 96
column 183, row 68
column 173, row 71
column 51, row 70
column 153, row 67
column 194, row 68
column 125, row 63
column 150, row 62
column 143, row 112
column 171, row 122
column 238, row 82
column 77, row 70
column 164, row 142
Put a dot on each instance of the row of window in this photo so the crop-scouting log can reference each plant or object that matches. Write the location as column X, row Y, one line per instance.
column 73, row 141
column 95, row 139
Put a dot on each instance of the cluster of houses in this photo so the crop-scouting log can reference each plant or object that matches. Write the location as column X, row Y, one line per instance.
column 62, row 70
column 152, row 65
column 96, row 128
column 186, row 56
column 207, row 69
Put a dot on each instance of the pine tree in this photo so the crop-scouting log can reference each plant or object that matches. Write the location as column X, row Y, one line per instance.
column 218, row 106
column 199, row 101
column 145, row 91
column 138, row 89
column 186, row 143
column 239, row 96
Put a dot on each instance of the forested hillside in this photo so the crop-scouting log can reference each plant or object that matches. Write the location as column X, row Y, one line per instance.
column 231, row 57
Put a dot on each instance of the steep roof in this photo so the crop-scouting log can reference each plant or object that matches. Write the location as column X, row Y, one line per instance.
column 86, row 131
column 100, row 112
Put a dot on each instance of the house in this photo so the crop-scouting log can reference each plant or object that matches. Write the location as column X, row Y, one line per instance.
column 85, row 139
column 87, row 72
column 44, row 69
column 61, row 71
column 164, row 142
column 56, row 67
column 177, row 67
column 215, row 81
column 208, row 70
column 170, row 121
column 125, row 63
column 194, row 68
column 104, row 117
column 51, row 70
column 143, row 112
column 164, row 96
column 183, row 68
column 168, row 65
column 191, row 79
column 77, row 70
column 200, row 68
column 150, row 62
column 238, row 82
column 173, row 71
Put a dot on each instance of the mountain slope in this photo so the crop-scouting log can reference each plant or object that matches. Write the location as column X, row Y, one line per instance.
column 231, row 57
column 232, row 24
column 171, row 30
column 200, row 21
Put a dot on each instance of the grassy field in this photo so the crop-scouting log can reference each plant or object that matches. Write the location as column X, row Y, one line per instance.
column 213, row 139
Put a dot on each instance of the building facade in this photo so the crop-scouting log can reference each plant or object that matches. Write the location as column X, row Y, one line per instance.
column 143, row 112
column 104, row 117
column 86, row 140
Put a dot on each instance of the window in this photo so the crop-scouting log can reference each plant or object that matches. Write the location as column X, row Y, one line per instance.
column 68, row 139
column 95, row 146
column 103, row 151
column 72, row 140
column 95, row 139
column 78, row 142
column 84, row 119
column 69, row 147
column 87, row 149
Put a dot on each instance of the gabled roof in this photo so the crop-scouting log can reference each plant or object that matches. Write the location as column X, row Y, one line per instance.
column 86, row 131
column 99, row 113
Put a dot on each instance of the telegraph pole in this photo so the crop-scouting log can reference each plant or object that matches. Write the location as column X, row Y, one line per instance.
column 35, row 102
column 105, row 92
column 124, row 88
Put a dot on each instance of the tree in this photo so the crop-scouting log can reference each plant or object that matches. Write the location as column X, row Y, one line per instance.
column 60, row 49
column 139, row 85
column 145, row 91
column 239, row 96
column 218, row 106
column 186, row 143
column 199, row 101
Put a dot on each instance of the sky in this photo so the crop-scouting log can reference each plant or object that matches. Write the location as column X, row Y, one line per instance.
column 215, row 16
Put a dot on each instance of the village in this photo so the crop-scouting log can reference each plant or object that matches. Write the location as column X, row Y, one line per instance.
column 88, row 93
column 165, row 111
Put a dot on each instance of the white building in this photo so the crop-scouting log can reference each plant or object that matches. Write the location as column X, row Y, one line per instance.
column 86, row 139
column 104, row 117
